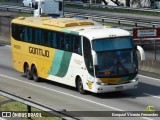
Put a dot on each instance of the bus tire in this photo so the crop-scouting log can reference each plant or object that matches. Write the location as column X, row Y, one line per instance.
column 34, row 74
column 80, row 86
column 27, row 72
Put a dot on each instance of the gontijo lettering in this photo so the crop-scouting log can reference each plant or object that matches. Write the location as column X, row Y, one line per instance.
column 39, row 51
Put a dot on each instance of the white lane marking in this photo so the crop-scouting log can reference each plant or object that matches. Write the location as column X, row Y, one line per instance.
column 62, row 93
column 151, row 95
column 149, row 77
column 7, row 45
column 2, row 118
column 4, row 45
column 70, row 95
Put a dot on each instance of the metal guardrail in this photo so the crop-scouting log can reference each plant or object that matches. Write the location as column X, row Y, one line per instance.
column 12, row 8
column 29, row 102
column 137, row 22
column 113, row 7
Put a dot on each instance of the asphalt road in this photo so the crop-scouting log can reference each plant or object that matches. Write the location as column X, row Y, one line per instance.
column 60, row 97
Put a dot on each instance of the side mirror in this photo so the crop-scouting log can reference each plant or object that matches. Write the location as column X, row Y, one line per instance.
column 94, row 55
column 141, row 51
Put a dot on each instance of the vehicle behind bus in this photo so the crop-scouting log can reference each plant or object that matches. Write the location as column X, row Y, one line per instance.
column 51, row 8
column 27, row 3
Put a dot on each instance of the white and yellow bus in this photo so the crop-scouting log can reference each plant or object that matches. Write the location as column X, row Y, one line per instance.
column 74, row 52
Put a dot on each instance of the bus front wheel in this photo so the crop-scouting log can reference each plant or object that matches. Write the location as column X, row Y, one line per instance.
column 80, row 86
column 35, row 75
column 27, row 72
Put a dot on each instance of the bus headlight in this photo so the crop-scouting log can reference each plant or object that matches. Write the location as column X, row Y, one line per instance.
column 100, row 83
column 134, row 80
column 104, row 83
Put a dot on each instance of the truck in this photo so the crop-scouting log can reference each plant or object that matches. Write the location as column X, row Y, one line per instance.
column 52, row 8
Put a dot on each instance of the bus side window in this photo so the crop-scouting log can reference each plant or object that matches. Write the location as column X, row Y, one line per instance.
column 58, row 35
column 49, row 39
column 61, row 40
column 20, row 32
column 67, row 42
column 39, row 37
column 33, row 35
column 13, row 31
column 54, row 39
column 25, row 34
column 77, row 47
column 36, row 36
column 42, row 37
column 29, row 31
column 46, row 37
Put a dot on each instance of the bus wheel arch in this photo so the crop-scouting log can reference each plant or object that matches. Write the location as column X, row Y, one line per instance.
column 79, row 85
column 35, row 73
column 27, row 71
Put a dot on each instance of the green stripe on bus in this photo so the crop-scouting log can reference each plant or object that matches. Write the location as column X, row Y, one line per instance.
column 69, row 31
column 64, row 64
column 56, row 63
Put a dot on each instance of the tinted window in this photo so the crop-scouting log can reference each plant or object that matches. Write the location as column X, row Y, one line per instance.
column 87, row 55
column 112, row 43
column 60, row 6
column 47, row 38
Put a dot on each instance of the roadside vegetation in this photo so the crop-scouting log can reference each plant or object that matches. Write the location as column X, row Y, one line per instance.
column 14, row 106
column 2, row 98
column 23, row 15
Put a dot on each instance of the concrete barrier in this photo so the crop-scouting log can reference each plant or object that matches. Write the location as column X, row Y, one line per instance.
column 150, row 66
column 4, row 36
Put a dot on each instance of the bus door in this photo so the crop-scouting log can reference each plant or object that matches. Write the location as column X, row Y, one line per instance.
column 89, row 72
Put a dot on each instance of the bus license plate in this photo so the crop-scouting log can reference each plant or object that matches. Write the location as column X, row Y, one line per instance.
column 119, row 88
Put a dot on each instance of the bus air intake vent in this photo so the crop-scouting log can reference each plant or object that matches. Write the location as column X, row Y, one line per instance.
column 21, row 18
column 66, row 22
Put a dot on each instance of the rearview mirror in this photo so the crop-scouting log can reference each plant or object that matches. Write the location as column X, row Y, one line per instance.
column 94, row 55
column 141, row 51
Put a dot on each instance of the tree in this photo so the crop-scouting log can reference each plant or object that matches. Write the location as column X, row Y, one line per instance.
column 117, row 2
column 142, row 3
column 84, row 1
column 104, row 2
column 128, row 3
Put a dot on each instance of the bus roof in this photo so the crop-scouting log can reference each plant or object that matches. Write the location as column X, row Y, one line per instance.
column 96, row 32
column 85, row 28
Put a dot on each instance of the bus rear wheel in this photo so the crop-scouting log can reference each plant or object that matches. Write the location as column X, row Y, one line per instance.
column 80, row 86
column 27, row 72
column 34, row 74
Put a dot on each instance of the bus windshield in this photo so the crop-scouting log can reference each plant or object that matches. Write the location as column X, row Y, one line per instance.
column 112, row 43
column 116, row 57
